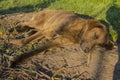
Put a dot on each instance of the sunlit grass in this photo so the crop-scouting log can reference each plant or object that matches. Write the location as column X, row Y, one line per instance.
column 89, row 7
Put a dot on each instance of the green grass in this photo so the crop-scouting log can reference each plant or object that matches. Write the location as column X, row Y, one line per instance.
column 89, row 7
column 105, row 10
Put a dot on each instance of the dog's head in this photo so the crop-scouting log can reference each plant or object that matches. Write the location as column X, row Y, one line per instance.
column 94, row 33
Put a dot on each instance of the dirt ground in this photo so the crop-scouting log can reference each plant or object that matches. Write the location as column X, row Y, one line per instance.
column 61, row 63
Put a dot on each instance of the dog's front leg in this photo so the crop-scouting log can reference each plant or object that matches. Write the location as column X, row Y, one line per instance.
column 89, row 57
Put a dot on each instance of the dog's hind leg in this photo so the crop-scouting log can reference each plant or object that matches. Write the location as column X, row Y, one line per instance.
column 27, row 39
column 21, row 27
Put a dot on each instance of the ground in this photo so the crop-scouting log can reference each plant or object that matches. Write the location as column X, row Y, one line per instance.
column 60, row 63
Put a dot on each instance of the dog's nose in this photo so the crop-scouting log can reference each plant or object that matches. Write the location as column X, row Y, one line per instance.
column 86, row 50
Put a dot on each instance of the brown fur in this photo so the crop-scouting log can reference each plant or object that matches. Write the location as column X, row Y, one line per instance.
column 63, row 28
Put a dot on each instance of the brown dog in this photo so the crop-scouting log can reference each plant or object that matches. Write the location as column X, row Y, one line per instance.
column 66, row 28
column 63, row 28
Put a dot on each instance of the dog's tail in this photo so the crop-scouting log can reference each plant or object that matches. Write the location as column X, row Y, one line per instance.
column 22, row 57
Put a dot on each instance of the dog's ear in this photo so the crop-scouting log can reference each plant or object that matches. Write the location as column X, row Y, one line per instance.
column 94, row 23
column 91, row 24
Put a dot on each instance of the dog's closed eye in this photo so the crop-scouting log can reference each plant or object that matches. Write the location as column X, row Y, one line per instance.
column 95, row 36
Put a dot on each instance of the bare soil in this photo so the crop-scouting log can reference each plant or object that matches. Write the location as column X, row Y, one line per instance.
column 60, row 63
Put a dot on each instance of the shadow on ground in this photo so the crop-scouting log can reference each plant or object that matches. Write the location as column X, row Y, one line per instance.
column 113, row 16
column 28, row 8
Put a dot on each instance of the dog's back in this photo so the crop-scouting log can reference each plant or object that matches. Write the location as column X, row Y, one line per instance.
column 45, row 18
